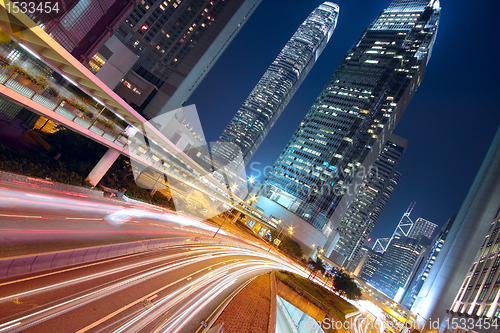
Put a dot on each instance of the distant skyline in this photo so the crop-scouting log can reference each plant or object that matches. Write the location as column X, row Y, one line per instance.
column 447, row 143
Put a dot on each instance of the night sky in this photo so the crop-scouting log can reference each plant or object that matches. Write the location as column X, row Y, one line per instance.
column 449, row 123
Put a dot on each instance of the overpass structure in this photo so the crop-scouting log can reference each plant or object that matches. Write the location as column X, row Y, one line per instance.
column 38, row 74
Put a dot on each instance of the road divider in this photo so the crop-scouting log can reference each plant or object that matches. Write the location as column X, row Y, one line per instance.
column 21, row 266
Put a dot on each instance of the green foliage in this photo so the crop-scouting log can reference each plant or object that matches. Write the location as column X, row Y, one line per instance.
column 288, row 245
column 344, row 284
column 40, row 81
column 105, row 123
column 338, row 306
column 75, row 104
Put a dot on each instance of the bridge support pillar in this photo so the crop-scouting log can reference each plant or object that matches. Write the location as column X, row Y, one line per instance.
column 102, row 166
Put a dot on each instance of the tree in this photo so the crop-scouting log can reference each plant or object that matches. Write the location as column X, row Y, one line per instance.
column 346, row 286
column 317, row 266
column 288, row 245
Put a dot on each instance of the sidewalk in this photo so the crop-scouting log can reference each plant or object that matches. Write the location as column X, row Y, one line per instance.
column 250, row 310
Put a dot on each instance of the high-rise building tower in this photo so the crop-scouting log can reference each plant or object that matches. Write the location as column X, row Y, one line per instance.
column 370, row 265
column 476, row 219
column 81, row 27
column 364, row 211
column 479, row 294
column 397, row 264
column 275, row 89
column 422, row 227
column 347, row 127
column 164, row 48
column 422, row 272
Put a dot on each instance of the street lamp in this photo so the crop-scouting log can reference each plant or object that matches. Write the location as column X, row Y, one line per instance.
column 290, row 230
column 227, row 213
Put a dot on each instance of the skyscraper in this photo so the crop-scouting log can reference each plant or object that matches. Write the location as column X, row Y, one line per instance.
column 479, row 294
column 422, row 272
column 364, row 211
column 164, row 48
column 275, row 89
column 82, row 27
column 422, row 227
column 396, row 265
column 478, row 214
column 346, row 128
column 370, row 265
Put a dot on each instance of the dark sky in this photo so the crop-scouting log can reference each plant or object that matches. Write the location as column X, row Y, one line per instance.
column 449, row 124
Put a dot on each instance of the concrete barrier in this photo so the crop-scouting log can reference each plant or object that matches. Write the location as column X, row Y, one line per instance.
column 77, row 257
column 14, row 267
column 4, row 267
column 43, row 262
column 61, row 259
column 21, row 266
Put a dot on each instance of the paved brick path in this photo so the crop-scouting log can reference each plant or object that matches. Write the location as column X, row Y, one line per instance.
column 249, row 310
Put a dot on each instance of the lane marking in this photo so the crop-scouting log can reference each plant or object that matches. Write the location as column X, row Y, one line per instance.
column 22, row 216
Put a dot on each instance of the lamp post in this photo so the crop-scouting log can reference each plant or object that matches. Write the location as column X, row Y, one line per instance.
column 232, row 202
column 290, row 231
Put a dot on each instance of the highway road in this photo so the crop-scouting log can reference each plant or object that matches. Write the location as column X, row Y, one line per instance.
column 34, row 220
column 168, row 290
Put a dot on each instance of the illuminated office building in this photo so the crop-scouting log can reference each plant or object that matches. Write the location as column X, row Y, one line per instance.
column 364, row 211
column 162, row 51
column 370, row 264
column 271, row 95
column 422, row 272
column 479, row 294
column 422, row 227
column 82, row 27
column 345, row 130
column 397, row 264
column 464, row 278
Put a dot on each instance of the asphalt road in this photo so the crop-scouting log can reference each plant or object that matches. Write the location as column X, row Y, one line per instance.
column 168, row 290
column 34, row 220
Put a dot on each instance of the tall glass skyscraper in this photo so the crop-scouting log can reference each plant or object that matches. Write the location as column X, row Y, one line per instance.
column 348, row 125
column 271, row 95
column 364, row 211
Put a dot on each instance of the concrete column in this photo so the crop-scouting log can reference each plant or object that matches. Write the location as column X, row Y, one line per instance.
column 478, row 210
column 236, row 217
column 102, row 166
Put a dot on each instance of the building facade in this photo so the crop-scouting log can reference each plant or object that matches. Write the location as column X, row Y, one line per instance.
column 422, row 227
column 422, row 272
column 369, row 265
column 164, row 48
column 255, row 118
column 364, row 211
column 442, row 288
column 326, row 160
column 396, row 265
column 479, row 294
column 82, row 27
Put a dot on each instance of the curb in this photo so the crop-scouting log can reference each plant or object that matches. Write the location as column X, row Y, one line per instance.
column 43, row 183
